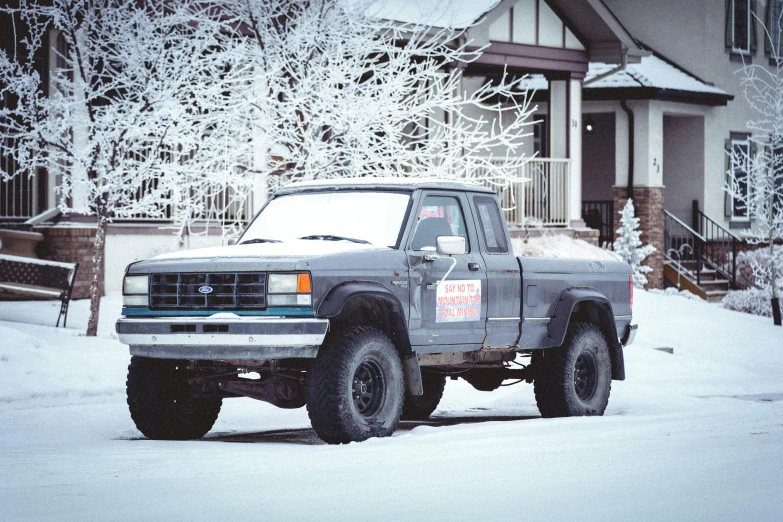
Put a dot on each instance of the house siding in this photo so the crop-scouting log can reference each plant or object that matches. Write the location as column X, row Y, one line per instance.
column 692, row 34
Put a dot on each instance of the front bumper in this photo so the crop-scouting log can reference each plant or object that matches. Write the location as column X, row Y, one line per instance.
column 219, row 338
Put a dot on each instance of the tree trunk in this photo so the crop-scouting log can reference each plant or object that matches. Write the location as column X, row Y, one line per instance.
column 774, row 282
column 96, row 285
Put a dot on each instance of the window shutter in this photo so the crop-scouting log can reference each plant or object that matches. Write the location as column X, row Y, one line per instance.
column 772, row 40
column 754, row 41
column 770, row 32
column 727, row 203
column 729, row 33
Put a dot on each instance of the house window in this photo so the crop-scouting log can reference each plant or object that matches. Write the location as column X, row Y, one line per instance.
column 740, row 28
column 774, row 24
column 738, row 152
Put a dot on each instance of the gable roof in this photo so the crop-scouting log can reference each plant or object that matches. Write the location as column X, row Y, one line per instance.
column 654, row 77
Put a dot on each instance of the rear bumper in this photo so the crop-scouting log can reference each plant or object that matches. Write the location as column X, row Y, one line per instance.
column 629, row 334
column 214, row 338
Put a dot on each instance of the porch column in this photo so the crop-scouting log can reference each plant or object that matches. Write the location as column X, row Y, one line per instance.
column 648, row 189
column 565, row 138
column 575, row 152
column 558, row 118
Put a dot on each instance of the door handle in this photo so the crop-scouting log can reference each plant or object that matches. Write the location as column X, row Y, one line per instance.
column 473, row 266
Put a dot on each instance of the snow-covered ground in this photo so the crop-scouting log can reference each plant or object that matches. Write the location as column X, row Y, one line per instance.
column 696, row 434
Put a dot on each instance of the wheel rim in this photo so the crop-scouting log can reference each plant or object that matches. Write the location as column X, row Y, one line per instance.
column 585, row 376
column 369, row 388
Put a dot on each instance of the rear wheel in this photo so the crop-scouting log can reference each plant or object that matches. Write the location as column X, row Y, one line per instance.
column 576, row 378
column 161, row 402
column 355, row 388
column 420, row 407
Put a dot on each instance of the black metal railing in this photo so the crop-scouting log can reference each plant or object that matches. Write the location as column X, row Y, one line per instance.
column 600, row 216
column 683, row 245
column 720, row 246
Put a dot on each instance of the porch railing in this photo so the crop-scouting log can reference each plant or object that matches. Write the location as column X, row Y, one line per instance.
column 216, row 206
column 599, row 214
column 720, row 247
column 541, row 195
column 683, row 245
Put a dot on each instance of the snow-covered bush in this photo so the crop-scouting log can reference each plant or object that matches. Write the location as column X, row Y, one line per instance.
column 754, row 274
column 628, row 245
column 753, row 300
column 753, row 268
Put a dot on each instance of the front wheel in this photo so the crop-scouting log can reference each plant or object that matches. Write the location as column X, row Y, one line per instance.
column 162, row 404
column 355, row 388
column 575, row 378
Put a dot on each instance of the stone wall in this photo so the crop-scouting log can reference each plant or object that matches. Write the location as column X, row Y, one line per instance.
column 70, row 244
column 649, row 203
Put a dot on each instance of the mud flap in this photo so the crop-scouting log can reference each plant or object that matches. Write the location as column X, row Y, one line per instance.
column 412, row 371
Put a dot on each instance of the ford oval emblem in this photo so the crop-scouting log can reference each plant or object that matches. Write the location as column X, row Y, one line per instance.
column 205, row 289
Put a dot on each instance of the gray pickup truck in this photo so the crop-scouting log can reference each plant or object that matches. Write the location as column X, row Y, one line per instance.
column 358, row 298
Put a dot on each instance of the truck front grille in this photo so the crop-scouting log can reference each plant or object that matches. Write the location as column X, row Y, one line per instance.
column 214, row 291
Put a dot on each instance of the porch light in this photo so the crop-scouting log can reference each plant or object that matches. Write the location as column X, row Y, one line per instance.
column 589, row 126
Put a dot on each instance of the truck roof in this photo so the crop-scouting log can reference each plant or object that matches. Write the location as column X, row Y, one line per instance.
column 395, row 183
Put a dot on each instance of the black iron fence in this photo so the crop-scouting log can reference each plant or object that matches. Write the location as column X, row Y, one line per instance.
column 720, row 247
column 599, row 215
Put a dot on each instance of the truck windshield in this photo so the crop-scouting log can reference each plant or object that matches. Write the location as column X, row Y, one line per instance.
column 357, row 216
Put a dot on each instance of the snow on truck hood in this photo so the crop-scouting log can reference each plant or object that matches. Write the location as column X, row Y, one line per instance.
column 296, row 248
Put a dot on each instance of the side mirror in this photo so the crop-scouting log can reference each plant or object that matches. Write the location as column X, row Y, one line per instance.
column 451, row 245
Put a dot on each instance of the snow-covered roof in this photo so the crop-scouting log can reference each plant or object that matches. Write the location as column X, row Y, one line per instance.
column 454, row 14
column 652, row 72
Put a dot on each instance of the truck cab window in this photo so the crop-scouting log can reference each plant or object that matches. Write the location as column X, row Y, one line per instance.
column 491, row 225
column 439, row 216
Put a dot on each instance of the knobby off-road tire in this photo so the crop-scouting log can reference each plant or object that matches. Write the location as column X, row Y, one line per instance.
column 576, row 378
column 420, row 407
column 160, row 402
column 355, row 388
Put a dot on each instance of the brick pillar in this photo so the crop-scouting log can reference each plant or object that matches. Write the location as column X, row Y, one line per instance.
column 649, row 209
column 70, row 244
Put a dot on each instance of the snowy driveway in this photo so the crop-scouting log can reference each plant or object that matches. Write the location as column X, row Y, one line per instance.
column 693, row 435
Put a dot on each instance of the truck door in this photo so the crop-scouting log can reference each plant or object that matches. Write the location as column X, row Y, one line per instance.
column 504, row 285
column 455, row 311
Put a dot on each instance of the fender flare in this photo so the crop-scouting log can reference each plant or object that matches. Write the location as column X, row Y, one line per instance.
column 334, row 301
column 561, row 319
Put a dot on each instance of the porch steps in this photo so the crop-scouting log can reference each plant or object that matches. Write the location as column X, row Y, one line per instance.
column 713, row 287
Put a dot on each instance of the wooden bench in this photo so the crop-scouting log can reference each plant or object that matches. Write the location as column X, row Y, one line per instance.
column 25, row 276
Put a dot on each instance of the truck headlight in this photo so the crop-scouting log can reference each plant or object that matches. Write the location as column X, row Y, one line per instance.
column 289, row 290
column 135, row 290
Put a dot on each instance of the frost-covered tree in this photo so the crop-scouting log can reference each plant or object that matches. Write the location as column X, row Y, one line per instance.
column 628, row 245
column 336, row 92
column 163, row 108
column 127, row 118
column 755, row 180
